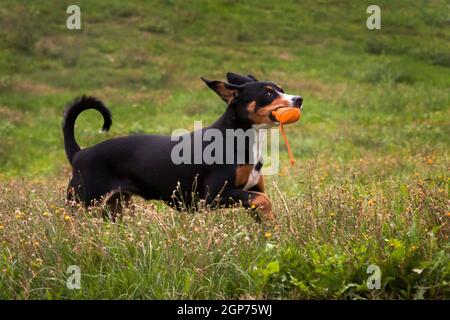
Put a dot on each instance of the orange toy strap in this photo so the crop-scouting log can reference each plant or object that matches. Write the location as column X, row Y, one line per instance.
column 291, row 156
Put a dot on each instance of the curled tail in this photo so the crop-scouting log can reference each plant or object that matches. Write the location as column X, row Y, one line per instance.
column 71, row 113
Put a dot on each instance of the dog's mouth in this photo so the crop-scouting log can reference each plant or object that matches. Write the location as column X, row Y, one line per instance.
column 273, row 119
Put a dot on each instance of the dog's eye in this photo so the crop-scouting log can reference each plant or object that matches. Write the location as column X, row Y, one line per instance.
column 268, row 94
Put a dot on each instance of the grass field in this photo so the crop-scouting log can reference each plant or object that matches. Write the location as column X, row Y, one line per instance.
column 371, row 183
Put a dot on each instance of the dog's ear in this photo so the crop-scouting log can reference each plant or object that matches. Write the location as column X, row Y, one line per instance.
column 235, row 78
column 225, row 90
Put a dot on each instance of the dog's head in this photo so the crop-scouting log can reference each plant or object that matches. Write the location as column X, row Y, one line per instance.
column 253, row 100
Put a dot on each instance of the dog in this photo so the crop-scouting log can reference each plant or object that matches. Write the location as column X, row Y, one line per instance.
column 114, row 170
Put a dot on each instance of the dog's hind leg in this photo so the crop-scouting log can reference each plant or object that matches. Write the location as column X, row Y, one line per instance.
column 75, row 192
column 114, row 203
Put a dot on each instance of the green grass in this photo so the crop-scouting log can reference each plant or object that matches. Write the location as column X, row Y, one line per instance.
column 371, row 184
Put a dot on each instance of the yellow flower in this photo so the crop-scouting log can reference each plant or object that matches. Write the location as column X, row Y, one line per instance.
column 253, row 206
column 67, row 217
column 268, row 234
column 38, row 261
column 46, row 214
column 413, row 248
column 371, row 202
column 18, row 213
column 2, row 227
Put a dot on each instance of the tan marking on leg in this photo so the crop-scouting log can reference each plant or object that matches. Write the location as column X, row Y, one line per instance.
column 262, row 203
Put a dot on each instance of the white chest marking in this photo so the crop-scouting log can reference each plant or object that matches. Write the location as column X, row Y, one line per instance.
column 257, row 148
column 253, row 179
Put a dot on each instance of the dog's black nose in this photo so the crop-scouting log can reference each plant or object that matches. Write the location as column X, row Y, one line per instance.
column 298, row 101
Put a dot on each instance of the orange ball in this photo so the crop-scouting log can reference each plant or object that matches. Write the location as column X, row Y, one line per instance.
column 287, row 115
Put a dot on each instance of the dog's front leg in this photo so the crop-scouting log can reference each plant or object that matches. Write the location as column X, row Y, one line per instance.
column 256, row 201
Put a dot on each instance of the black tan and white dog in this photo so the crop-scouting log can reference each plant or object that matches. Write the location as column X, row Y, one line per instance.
column 114, row 170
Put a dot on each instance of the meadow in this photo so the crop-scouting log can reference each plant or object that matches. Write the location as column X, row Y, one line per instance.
column 371, row 182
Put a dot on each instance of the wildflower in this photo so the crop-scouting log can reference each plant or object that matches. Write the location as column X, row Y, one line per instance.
column 417, row 270
column 371, row 202
column 268, row 234
column 395, row 243
column 46, row 214
column 448, row 214
column 18, row 214
column 413, row 248
column 67, row 217
column 2, row 227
